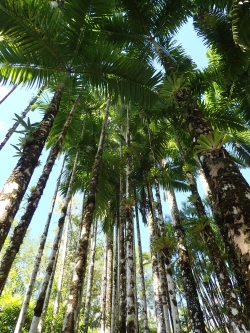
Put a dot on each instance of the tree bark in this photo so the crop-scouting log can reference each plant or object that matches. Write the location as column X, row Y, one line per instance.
column 72, row 312
column 108, row 301
column 193, row 305
column 33, row 201
column 229, row 189
column 16, row 185
column 22, row 315
column 8, row 93
column 40, row 301
column 141, row 271
column 23, row 115
column 115, row 285
column 130, row 274
column 90, row 278
column 103, row 289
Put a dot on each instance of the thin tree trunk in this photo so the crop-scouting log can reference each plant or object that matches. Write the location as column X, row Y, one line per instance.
column 122, row 264
column 8, row 93
column 103, row 288
column 16, row 185
column 21, row 229
column 61, row 271
column 90, row 278
column 141, row 271
column 130, row 281
column 22, row 315
column 170, row 281
column 40, row 301
column 115, row 301
column 108, row 300
column 160, row 322
column 23, row 115
column 47, row 297
column 194, row 309
column 72, row 312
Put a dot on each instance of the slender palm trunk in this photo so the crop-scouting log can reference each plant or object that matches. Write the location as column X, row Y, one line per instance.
column 72, row 312
column 90, row 277
column 22, row 315
column 122, row 265
column 115, row 284
column 170, row 281
column 8, row 93
column 141, row 271
column 103, row 289
column 40, row 301
column 16, row 185
column 194, row 309
column 161, row 328
column 47, row 297
column 23, row 115
column 130, row 263
column 108, row 301
column 20, row 231
column 61, row 271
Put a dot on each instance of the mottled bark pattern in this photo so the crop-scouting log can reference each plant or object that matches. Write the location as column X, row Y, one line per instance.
column 109, row 282
column 72, row 312
column 194, row 309
column 230, row 191
column 16, row 185
column 33, row 201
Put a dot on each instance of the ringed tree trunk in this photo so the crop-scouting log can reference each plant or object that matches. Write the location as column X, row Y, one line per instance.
column 41, row 297
column 115, row 295
column 72, row 312
column 103, row 289
column 90, row 278
column 168, row 269
column 193, row 305
column 229, row 189
column 61, row 271
column 141, row 271
column 130, row 261
column 23, row 115
column 122, row 255
column 108, row 301
column 33, row 201
column 22, row 314
column 16, row 185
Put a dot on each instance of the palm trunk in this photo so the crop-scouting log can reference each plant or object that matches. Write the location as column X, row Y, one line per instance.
column 90, row 278
column 170, row 281
column 40, row 301
column 72, row 312
column 61, row 271
column 122, row 265
column 194, row 309
column 108, row 301
column 219, row 264
column 8, row 93
column 23, row 115
column 22, row 315
column 161, row 328
column 16, row 185
column 115, row 301
column 141, row 271
column 47, row 297
column 130, row 276
column 230, row 191
column 103, row 289
column 33, row 201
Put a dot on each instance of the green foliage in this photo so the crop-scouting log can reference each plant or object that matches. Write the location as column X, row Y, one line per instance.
column 212, row 141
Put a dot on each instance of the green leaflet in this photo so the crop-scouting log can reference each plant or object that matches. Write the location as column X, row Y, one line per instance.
column 213, row 140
